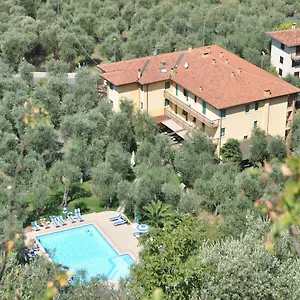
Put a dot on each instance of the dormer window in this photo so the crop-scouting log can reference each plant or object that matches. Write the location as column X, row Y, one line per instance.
column 282, row 46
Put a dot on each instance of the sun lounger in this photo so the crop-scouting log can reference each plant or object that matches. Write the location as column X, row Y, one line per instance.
column 78, row 215
column 61, row 220
column 121, row 221
column 115, row 218
column 70, row 217
column 138, row 233
column 54, row 221
column 44, row 223
column 35, row 226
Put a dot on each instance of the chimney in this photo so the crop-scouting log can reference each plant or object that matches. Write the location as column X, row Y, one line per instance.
column 227, row 61
column 139, row 73
column 172, row 72
column 221, row 54
column 205, row 54
column 214, row 61
column 200, row 89
column 267, row 93
column 239, row 71
column 232, row 74
column 293, row 25
column 190, row 48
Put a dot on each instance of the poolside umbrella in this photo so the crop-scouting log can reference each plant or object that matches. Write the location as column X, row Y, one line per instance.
column 143, row 228
column 65, row 210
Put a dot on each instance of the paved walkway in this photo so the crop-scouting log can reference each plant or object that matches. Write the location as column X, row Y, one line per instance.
column 120, row 237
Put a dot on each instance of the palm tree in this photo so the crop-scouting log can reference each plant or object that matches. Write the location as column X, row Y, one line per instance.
column 157, row 214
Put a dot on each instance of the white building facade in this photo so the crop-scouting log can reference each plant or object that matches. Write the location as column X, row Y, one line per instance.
column 285, row 51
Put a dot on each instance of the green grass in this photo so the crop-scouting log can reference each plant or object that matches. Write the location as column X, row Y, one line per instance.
column 92, row 203
column 176, row 180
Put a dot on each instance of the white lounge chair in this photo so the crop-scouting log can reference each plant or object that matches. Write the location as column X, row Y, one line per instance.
column 70, row 217
column 78, row 214
column 35, row 226
column 61, row 220
column 54, row 221
column 115, row 218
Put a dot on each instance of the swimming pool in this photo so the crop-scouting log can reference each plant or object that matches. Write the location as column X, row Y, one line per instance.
column 85, row 248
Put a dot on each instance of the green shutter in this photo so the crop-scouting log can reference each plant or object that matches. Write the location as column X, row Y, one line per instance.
column 203, row 107
column 223, row 113
column 167, row 102
column 256, row 105
column 176, row 89
column 167, row 85
column 255, row 124
column 247, row 107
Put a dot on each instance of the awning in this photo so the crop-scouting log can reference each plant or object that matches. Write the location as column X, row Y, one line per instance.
column 172, row 125
column 182, row 133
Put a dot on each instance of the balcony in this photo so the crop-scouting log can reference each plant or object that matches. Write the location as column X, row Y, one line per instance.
column 191, row 111
column 188, row 126
column 178, row 120
column 295, row 57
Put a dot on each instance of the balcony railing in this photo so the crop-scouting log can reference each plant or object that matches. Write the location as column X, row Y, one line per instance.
column 184, row 124
column 170, row 114
column 295, row 56
column 191, row 111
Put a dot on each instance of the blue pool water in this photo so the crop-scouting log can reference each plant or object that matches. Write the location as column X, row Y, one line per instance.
column 85, row 248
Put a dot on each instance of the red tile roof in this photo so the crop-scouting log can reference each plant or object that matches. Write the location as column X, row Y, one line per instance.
column 212, row 73
column 290, row 37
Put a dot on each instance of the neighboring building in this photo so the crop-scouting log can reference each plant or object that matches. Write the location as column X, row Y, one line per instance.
column 285, row 51
column 206, row 87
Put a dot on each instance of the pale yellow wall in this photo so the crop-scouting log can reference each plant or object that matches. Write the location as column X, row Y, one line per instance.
column 277, row 117
column 113, row 96
column 156, row 100
column 270, row 116
column 130, row 92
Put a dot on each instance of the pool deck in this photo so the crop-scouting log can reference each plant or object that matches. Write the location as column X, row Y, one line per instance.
column 120, row 237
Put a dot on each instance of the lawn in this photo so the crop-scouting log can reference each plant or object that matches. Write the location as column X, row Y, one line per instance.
column 92, row 202
column 176, row 180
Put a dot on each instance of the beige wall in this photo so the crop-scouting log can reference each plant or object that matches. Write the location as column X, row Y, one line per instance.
column 156, row 100
column 128, row 91
column 270, row 116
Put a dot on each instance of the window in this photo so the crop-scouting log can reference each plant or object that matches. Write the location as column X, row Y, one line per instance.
column 280, row 72
column 255, row 124
column 111, row 86
column 184, row 112
column 281, row 59
column 223, row 131
column 247, row 107
column 194, row 120
column 203, row 126
column 296, row 74
column 167, row 102
column 195, row 99
column 167, row 85
column 142, row 105
column 223, row 113
column 175, row 109
column 256, row 106
column 282, row 46
column 245, row 137
column 295, row 63
column 176, row 89
column 203, row 107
